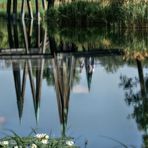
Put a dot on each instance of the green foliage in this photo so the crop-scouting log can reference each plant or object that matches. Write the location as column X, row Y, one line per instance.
column 37, row 141
column 81, row 13
column 3, row 35
column 137, row 13
column 87, row 14
column 116, row 12
column 53, row 14
column 48, row 75
column 102, row 38
column 32, row 142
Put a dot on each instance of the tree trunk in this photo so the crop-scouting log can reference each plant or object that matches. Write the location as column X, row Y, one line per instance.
column 8, row 8
column 14, row 8
column 141, row 78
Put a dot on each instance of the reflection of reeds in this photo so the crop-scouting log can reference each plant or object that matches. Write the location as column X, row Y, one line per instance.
column 117, row 141
column 41, row 45
column 63, row 71
column 101, row 37
column 98, row 38
column 19, row 86
column 13, row 38
column 135, row 55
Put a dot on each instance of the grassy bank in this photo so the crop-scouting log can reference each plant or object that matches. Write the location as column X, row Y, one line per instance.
column 93, row 14
column 3, row 8
column 124, row 13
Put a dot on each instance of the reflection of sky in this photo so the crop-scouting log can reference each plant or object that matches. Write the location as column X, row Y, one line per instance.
column 102, row 111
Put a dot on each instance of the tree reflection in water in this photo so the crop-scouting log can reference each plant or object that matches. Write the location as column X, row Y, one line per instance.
column 138, row 99
column 66, row 60
column 59, row 70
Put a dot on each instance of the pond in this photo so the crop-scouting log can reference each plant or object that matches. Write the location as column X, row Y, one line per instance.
column 90, row 84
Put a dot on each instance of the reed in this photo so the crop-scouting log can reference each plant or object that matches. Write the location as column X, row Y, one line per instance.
column 82, row 13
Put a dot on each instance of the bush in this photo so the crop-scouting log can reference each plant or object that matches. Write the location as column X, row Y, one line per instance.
column 80, row 13
column 93, row 13
column 116, row 12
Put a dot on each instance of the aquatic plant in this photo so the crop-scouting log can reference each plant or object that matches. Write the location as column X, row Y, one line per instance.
column 37, row 141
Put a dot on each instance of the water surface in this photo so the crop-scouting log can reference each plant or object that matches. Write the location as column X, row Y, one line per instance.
column 76, row 83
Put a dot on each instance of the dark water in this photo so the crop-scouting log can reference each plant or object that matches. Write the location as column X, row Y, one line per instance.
column 74, row 82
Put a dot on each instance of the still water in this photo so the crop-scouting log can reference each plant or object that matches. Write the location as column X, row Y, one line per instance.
column 65, row 89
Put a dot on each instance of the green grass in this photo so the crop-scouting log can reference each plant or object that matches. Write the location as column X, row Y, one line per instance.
column 3, row 6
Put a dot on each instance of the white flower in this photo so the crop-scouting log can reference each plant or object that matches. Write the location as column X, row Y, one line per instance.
column 33, row 146
column 17, row 146
column 46, row 137
column 41, row 136
column 44, row 141
column 69, row 143
column 5, row 142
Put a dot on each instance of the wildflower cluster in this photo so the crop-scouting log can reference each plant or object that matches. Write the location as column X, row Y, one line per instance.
column 43, row 138
column 37, row 141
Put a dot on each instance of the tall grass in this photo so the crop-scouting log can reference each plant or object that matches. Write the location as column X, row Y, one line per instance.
column 3, row 7
column 137, row 13
column 94, row 13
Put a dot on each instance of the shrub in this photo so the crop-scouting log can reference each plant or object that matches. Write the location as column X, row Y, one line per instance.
column 93, row 13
